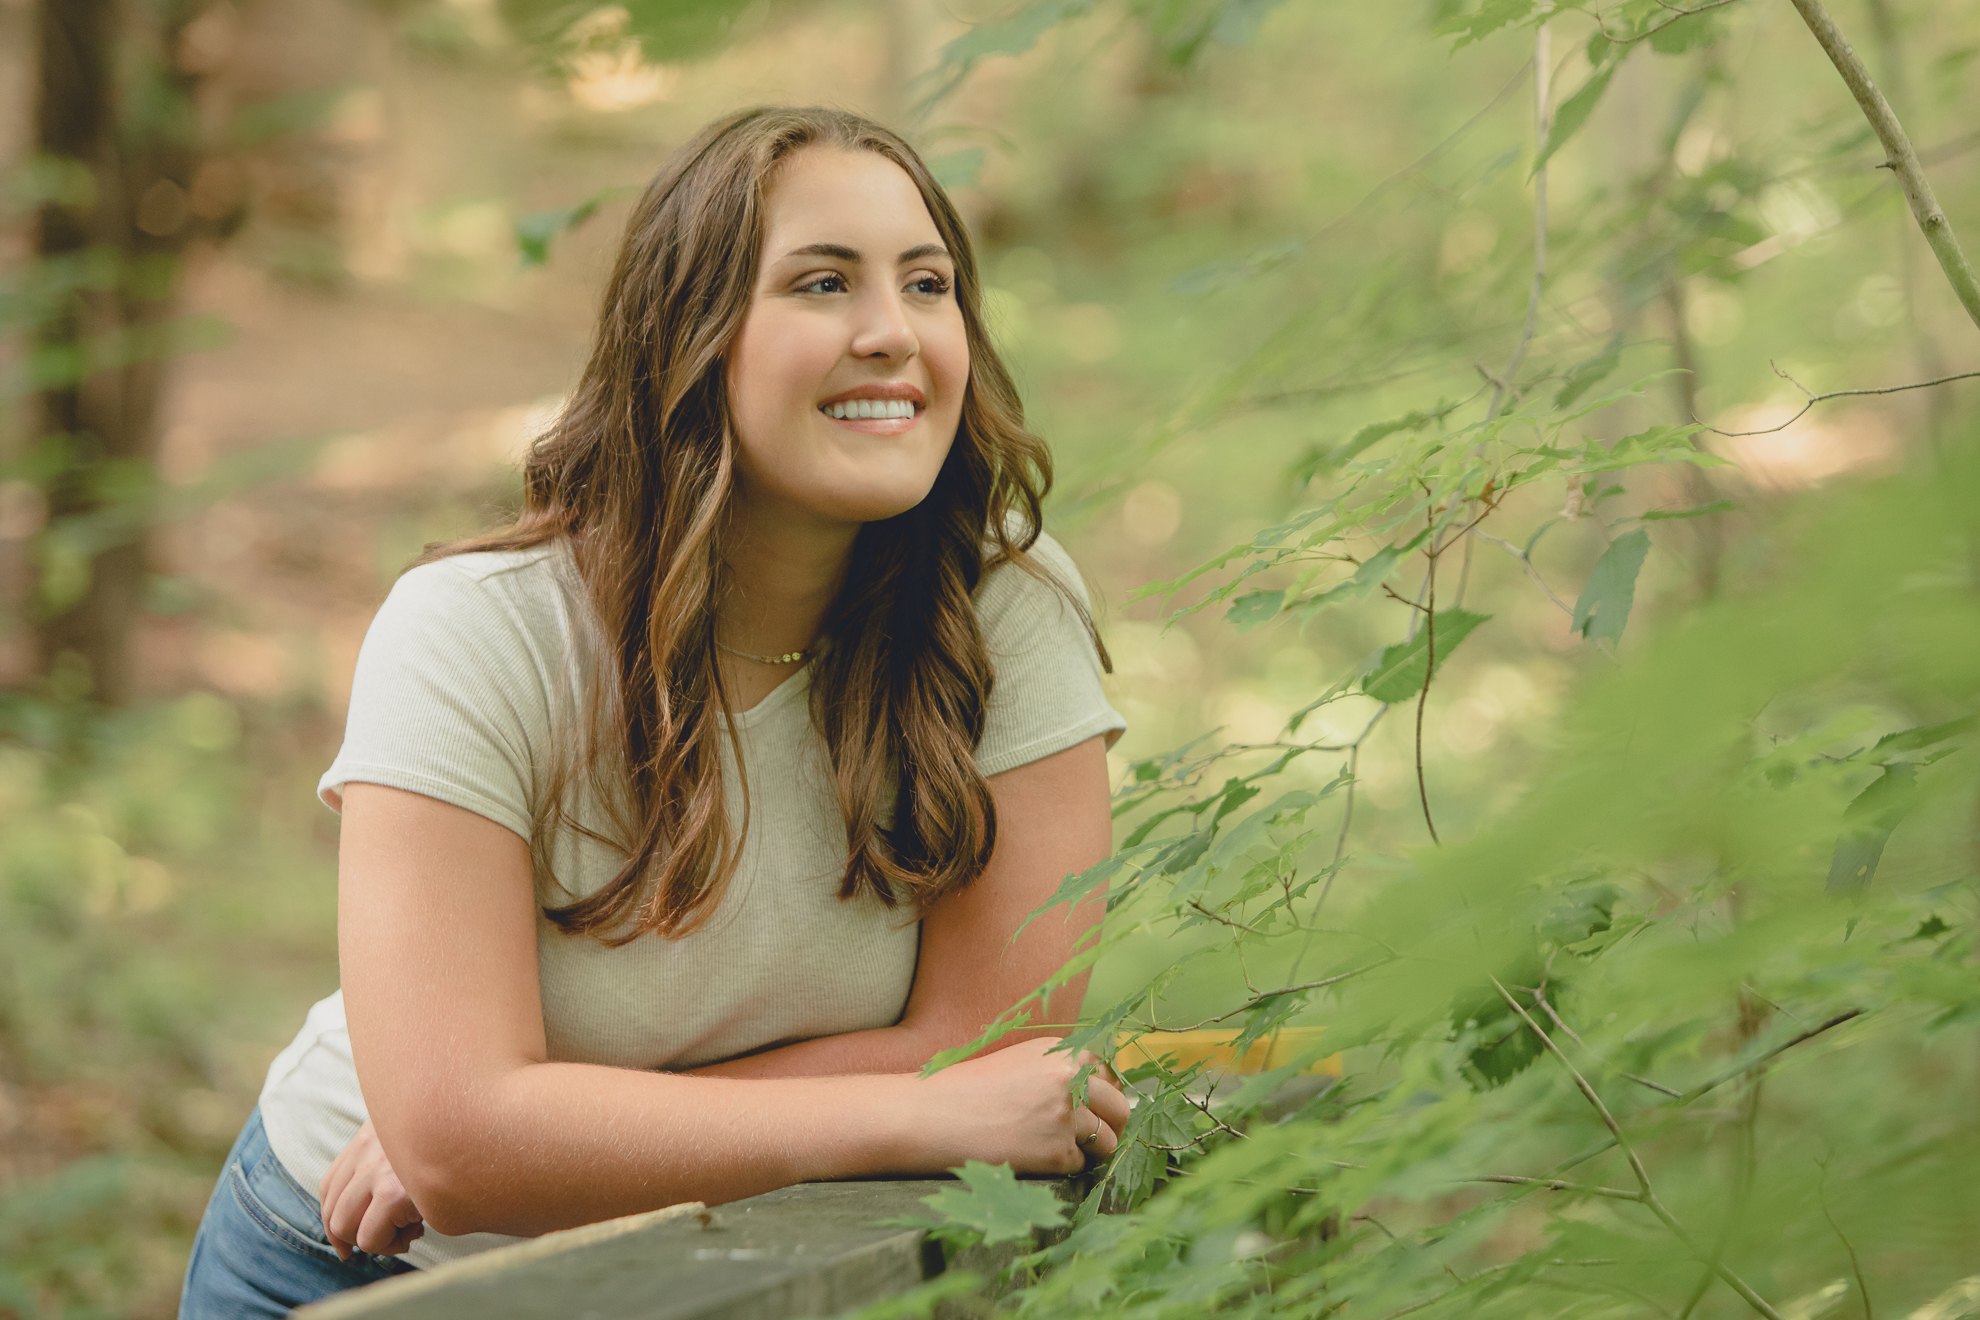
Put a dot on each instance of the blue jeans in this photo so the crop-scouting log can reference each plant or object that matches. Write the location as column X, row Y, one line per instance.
column 261, row 1249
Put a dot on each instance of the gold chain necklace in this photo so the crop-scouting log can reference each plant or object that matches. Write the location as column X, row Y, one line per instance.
column 787, row 658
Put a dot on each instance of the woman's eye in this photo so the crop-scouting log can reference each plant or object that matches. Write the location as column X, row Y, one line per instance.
column 933, row 286
column 824, row 284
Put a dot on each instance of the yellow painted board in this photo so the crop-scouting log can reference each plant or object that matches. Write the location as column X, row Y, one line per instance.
column 1214, row 1047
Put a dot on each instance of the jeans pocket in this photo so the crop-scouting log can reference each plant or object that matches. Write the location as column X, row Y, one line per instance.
column 272, row 1199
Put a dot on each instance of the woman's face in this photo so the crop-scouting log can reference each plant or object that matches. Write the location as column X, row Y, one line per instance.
column 846, row 381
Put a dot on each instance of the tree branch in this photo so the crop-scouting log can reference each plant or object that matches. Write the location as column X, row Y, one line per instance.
column 1429, row 675
column 1543, row 126
column 1556, row 1185
column 1745, row 1068
column 1814, row 399
column 1648, row 1195
column 1903, row 159
column 1256, row 1000
column 1531, row 571
column 1680, row 14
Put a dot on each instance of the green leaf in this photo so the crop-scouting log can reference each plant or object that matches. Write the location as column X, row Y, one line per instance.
column 1011, row 36
column 1586, row 375
column 1926, row 735
column 1695, row 511
column 1488, row 18
column 923, row 1301
column 958, row 169
column 1603, row 609
column 1659, row 444
column 1320, row 460
column 1573, row 113
column 1869, row 822
column 1403, row 670
column 1254, row 608
column 536, row 231
column 1157, row 1121
column 1677, row 36
column 1076, row 886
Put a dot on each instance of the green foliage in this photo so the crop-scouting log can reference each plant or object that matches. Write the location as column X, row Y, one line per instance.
column 1405, row 669
column 918, row 1303
column 668, row 29
column 1682, row 1023
column 537, row 230
column 1602, row 612
column 135, row 883
column 993, row 1206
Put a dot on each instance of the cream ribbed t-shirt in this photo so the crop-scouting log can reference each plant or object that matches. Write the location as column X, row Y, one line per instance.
column 474, row 664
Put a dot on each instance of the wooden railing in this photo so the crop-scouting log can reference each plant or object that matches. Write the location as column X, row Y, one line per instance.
column 819, row 1249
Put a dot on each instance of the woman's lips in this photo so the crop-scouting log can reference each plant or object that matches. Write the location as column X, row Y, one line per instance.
column 876, row 425
column 882, row 411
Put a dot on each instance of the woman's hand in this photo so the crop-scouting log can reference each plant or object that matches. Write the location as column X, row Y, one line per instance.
column 364, row 1205
column 1016, row 1107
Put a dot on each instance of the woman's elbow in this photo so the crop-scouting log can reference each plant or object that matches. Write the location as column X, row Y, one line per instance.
column 451, row 1178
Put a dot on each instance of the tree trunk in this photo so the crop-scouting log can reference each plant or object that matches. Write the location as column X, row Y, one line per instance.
column 95, row 423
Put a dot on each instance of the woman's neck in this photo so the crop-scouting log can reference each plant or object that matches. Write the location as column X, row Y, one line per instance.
column 781, row 575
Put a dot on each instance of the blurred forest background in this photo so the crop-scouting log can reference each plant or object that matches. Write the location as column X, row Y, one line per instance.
column 303, row 339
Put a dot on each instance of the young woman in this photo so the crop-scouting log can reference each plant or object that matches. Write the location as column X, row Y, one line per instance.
column 685, row 819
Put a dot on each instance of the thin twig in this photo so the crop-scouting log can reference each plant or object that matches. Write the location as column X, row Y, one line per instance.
column 1648, row 1196
column 1429, row 676
column 1527, row 563
column 1543, row 124
column 1221, row 1125
column 1855, row 1266
column 1347, row 813
column 1745, row 1068
column 1235, row 925
column 1742, row 1190
column 1252, row 1003
column 1814, row 399
column 1682, row 14
column 1572, row 1035
column 1556, row 1185
column 1903, row 159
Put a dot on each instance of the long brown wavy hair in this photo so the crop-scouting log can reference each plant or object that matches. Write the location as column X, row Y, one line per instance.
column 638, row 473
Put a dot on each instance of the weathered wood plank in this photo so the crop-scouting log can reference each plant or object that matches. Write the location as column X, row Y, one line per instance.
column 812, row 1250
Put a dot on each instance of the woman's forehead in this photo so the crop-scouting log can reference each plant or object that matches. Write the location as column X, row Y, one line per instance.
column 858, row 200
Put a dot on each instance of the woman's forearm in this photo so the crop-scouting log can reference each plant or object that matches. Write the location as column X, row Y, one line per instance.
column 543, row 1146
column 619, row 1141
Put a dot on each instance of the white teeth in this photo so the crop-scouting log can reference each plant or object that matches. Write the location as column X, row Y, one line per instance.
column 853, row 409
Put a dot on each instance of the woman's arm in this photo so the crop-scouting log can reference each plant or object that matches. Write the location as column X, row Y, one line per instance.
column 1053, row 819
column 437, row 934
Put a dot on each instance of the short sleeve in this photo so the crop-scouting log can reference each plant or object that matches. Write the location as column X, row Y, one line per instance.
column 449, row 699
column 1047, row 695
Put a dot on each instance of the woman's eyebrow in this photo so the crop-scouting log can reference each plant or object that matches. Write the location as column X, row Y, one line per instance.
column 840, row 252
column 837, row 251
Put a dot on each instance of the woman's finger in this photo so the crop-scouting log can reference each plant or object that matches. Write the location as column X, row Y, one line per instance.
column 328, row 1195
column 1105, row 1099
column 343, row 1221
column 1096, row 1139
column 383, row 1220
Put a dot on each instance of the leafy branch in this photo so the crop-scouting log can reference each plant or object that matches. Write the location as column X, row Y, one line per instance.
column 1645, row 1195
column 1814, row 398
column 1902, row 158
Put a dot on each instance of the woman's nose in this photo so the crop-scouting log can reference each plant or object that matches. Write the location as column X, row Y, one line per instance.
column 882, row 329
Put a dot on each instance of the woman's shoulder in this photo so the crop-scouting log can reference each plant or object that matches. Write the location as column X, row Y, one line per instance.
column 530, row 587
column 1044, row 572
column 1035, row 598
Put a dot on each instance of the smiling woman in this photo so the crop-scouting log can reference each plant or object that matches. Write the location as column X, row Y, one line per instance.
column 687, row 817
